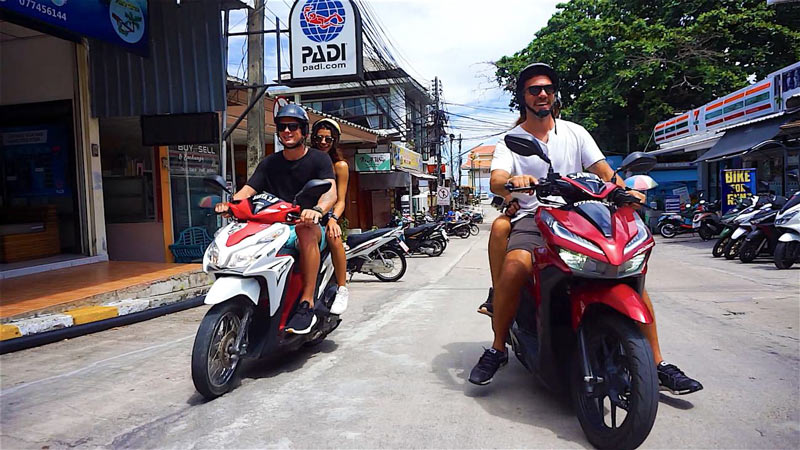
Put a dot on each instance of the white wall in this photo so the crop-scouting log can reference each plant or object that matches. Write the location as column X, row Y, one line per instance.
column 36, row 69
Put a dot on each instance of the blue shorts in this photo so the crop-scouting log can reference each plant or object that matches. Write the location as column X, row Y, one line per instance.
column 291, row 244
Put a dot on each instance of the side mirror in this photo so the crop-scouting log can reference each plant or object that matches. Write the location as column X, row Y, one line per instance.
column 311, row 192
column 216, row 181
column 638, row 162
column 525, row 146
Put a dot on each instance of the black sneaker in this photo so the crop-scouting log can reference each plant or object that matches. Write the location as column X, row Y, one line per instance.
column 672, row 379
column 486, row 307
column 490, row 361
column 303, row 320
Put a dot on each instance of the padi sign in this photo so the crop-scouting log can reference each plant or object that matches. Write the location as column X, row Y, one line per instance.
column 325, row 41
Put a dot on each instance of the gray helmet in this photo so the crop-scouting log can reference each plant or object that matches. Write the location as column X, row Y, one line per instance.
column 531, row 71
column 294, row 111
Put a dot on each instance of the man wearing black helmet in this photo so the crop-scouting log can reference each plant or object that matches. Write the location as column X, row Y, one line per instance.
column 571, row 149
column 284, row 174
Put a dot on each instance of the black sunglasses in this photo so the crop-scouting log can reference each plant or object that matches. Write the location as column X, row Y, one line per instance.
column 287, row 126
column 548, row 88
column 324, row 139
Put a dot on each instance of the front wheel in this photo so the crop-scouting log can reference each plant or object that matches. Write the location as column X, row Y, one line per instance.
column 463, row 232
column 667, row 230
column 438, row 247
column 474, row 230
column 398, row 263
column 705, row 233
column 215, row 361
column 720, row 246
column 620, row 410
column 785, row 254
column 732, row 248
column 749, row 251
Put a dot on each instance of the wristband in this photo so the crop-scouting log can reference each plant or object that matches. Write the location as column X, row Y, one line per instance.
column 318, row 209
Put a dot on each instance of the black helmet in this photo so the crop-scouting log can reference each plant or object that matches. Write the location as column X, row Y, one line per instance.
column 295, row 112
column 531, row 71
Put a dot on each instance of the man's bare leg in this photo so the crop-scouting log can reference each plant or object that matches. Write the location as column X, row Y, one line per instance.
column 649, row 330
column 498, row 241
column 517, row 267
column 308, row 237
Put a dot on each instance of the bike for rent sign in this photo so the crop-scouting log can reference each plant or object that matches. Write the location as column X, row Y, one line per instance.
column 736, row 184
column 325, row 41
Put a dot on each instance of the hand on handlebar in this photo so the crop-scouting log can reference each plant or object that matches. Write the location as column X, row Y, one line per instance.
column 523, row 181
column 640, row 196
column 309, row 216
column 223, row 209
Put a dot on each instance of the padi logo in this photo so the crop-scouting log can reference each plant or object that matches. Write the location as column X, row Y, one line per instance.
column 322, row 20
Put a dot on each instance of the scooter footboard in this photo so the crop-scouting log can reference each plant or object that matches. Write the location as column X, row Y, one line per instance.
column 618, row 296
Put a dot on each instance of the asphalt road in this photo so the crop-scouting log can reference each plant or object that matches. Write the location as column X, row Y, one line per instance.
column 394, row 374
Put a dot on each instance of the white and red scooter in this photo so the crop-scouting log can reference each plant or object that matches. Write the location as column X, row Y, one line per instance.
column 257, row 288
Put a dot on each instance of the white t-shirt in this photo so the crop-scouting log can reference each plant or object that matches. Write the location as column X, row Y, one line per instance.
column 569, row 146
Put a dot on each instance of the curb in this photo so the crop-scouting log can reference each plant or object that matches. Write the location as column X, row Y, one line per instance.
column 26, row 333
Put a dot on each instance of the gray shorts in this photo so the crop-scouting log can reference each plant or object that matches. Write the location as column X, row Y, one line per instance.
column 525, row 235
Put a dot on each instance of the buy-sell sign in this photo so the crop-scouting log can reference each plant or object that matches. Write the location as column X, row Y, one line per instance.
column 736, row 184
column 373, row 162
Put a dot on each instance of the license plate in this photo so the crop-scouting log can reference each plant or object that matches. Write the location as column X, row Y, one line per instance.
column 403, row 246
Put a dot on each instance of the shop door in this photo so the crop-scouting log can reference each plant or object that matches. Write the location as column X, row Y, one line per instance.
column 192, row 201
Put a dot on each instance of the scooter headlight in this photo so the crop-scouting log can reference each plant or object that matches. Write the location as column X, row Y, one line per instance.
column 212, row 254
column 562, row 232
column 588, row 266
column 786, row 217
column 633, row 265
column 245, row 257
column 642, row 234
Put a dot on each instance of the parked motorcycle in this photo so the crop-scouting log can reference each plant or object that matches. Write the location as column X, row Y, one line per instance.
column 731, row 221
column 374, row 253
column 764, row 236
column 427, row 239
column 577, row 325
column 460, row 228
column 710, row 221
column 745, row 226
column 787, row 250
column 257, row 288
column 671, row 224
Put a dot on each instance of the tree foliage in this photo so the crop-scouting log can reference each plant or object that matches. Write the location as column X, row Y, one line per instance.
column 627, row 64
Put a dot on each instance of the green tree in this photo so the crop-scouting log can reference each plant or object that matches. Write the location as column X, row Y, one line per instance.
column 627, row 64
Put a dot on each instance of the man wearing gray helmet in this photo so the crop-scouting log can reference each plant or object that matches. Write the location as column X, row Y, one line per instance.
column 284, row 174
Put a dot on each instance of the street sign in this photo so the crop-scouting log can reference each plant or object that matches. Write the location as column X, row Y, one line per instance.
column 443, row 196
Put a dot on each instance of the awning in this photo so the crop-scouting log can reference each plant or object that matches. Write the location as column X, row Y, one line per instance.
column 687, row 145
column 742, row 139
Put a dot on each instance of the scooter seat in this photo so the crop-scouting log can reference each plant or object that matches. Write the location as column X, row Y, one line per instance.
column 357, row 239
column 415, row 230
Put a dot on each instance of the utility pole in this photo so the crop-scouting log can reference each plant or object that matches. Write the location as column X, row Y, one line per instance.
column 437, row 136
column 459, row 161
column 255, row 77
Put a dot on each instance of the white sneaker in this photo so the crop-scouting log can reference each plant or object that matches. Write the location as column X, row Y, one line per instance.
column 340, row 302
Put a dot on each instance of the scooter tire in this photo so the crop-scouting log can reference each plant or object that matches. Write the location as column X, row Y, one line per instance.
column 749, row 251
column 785, row 254
column 643, row 379
column 719, row 247
column 391, row 254
column 204, row 343
column 463, row 232
column 705, row 233
column 667, row 230
column 732, row 248
column 474, row 230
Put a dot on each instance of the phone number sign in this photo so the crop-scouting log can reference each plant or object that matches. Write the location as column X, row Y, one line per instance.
column 119, row 22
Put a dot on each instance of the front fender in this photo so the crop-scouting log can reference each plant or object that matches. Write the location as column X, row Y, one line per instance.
column 620, row 297
column 789, row 236
column 226, row 288
column 741, row 231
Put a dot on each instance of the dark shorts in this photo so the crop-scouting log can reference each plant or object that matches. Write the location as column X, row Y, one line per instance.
column 524, row 235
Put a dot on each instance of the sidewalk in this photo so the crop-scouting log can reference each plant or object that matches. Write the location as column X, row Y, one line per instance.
column 79, row 295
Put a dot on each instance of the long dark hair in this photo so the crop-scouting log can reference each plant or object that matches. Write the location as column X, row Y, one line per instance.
column 333, row 153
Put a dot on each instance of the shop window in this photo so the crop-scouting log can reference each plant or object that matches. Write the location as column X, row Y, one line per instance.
column 192, row 201
column 792, row 173
column 128, row 184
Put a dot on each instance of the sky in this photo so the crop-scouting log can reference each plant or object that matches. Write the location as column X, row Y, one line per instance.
column 453, row 39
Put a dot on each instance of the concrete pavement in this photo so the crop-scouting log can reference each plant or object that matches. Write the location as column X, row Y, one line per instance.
column 394, row 374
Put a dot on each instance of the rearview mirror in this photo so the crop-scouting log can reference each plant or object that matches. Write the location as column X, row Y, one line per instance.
column 216, row 181
column 525, row 145
column 638, row 162
column 311, row 192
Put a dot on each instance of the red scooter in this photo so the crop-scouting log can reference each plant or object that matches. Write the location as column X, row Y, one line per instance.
column 576, row 326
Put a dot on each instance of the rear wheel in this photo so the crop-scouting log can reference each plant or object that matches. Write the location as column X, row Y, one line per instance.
column 749, row 251
column 215, row 362
column 720, row 246
column 619, row 412
column 786, row 254
column 463, row 232
column 667, row 230
column 474, row 230
column 398, row 263
column 731, row 249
